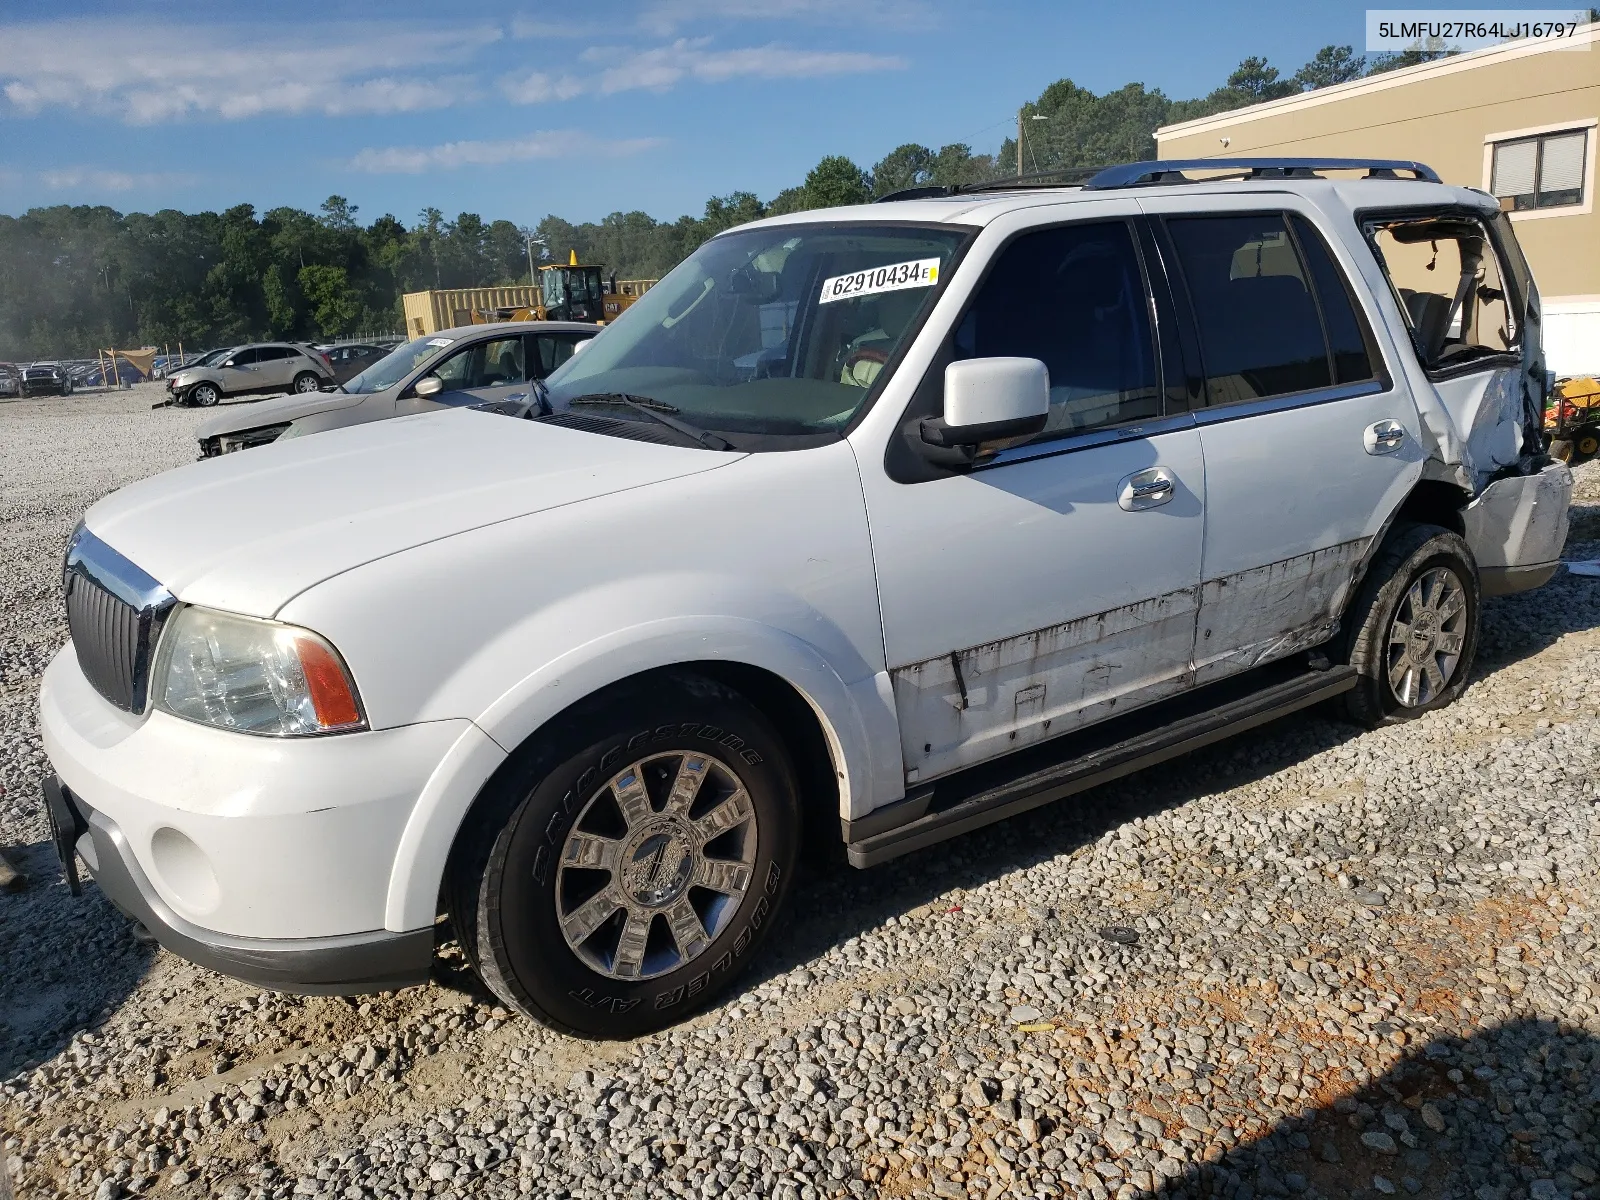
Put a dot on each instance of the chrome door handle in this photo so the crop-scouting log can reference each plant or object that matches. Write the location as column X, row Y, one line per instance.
column 1383, row 437
column 1149, row 488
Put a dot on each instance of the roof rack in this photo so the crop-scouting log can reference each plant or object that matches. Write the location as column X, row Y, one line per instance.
column 1149, row 174
column 1059, row 177
column 1153, row 173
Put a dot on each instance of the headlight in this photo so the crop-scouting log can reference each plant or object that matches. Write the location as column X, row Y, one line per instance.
column 253, row 676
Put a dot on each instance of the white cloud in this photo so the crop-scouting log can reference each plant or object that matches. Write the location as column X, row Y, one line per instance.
column 664, row 17
column 538, row 87
column 663, row 66
column 90, row 178
column 561, row 143
column 147, row 73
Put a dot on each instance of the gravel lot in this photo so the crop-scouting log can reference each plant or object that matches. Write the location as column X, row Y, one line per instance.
column 1311, row 962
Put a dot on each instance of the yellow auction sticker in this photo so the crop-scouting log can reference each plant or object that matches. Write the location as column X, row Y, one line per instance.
column 892, row 277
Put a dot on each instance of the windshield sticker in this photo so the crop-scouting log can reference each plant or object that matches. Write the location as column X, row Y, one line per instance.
column 923, row 272
column 439, row 341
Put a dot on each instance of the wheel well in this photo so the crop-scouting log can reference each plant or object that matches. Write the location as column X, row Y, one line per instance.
column 798, row 725
column 1433, row 502
column 792, row 718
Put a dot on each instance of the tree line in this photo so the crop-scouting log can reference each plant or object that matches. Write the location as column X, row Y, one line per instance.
column 77, row 277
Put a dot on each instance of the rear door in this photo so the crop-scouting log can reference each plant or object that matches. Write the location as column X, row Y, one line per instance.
column 1310, row 443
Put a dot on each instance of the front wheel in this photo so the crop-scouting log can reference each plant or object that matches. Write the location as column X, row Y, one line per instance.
column 204, row 395
column 1414, row 626
column 307, row 382
column 621, row 872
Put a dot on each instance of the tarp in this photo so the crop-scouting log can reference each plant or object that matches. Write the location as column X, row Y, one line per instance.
column 143, row 359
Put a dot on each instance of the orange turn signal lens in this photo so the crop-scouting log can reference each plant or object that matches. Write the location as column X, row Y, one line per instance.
column 332, row 694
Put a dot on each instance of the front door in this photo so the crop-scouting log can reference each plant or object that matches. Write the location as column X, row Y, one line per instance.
column 1055, row 584
column 1309, row 444
column 493, row 369
column 238, row 372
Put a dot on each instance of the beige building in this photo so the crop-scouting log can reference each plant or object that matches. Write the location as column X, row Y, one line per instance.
column 1517, row 120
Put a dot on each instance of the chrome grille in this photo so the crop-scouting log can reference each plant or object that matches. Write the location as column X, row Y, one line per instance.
column 115, row 613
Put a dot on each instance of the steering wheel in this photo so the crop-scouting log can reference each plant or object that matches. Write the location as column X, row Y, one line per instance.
column 861, row 366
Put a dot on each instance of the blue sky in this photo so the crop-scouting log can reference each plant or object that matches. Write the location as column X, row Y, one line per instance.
column 576, row 109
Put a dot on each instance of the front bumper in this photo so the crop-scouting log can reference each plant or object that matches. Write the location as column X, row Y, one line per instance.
column 348, row 965
column 254, row 838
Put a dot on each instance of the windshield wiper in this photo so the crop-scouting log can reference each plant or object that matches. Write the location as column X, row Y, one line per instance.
column 656, row 410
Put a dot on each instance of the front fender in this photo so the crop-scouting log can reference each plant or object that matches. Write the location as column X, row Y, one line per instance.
column 857, row 720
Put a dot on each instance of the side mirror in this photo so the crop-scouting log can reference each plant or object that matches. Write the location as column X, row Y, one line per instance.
column 429, row 385
column 577, row 346
column 229, row 363
column 989, row 400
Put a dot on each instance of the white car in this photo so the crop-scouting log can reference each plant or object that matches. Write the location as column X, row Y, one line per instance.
column 885, row 521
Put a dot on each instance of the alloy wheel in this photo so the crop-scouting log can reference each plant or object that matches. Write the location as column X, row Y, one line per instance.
column 1426, row 636
column 656, row 865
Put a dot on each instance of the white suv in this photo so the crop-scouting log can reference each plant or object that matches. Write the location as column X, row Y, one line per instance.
column 887, row 521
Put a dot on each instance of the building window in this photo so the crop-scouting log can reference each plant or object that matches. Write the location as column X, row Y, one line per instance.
column 1541, row 172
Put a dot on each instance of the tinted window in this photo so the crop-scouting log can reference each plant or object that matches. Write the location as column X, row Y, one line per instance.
column 1346, row 333
column 245, row 358
column 1259, row 330
column 272, row 353
column 1074, row 298
column 551, row 350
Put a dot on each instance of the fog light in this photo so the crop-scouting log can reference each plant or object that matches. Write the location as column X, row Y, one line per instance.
column 185, row 870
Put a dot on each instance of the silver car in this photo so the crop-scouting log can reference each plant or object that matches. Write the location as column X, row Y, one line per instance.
column 453, row 368
column 246, row 370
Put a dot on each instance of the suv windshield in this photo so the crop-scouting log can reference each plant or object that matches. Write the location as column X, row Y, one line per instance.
column 396, row 365
column 776, row 331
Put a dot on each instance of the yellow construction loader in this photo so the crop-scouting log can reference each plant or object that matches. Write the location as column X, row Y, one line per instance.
column 566, row 292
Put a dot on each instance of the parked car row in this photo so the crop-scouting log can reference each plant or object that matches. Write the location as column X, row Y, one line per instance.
column 454, row 368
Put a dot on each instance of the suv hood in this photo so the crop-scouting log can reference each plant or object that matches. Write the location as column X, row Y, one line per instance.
column 249, row 532
column 275, row 411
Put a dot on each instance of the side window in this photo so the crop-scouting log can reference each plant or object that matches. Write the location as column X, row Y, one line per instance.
column 487, row 364
column 274, row 353
column 1348, row 338
column 246, row 358
column 1448, row 279
column 461, row 368
column 1073, row 297
column 550, row 351
column 1260, row 334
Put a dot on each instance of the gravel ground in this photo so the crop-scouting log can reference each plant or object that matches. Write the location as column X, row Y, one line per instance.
column 1311, row 962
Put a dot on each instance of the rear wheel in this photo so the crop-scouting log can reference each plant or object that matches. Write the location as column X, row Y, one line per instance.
column 622, row 870
column 204, row 395
column 1414, row 626
column 306, row 382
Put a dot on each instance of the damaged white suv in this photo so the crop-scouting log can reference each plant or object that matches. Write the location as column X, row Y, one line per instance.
column 887, row 521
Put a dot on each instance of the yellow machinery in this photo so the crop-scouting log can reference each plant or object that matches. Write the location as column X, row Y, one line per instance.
column 1573, row 420
column 566, row 292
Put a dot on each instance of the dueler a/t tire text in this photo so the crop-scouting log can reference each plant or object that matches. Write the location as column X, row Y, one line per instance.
column 1417, row 566
column 551, row 822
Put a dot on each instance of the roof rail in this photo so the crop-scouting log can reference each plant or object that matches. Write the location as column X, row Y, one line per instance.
column 1058, row 177
column 1147, row 174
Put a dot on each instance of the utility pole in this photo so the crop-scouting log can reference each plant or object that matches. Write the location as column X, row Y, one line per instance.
column 1019, row 140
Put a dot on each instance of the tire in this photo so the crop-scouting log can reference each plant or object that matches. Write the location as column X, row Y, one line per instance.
column 305, row 382
column 1423, row 580
column 548, row 853
column 204, row 395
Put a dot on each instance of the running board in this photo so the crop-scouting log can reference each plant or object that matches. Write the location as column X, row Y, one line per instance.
column 967, row 807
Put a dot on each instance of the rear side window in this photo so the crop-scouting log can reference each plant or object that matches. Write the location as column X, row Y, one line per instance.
column 1260, row 332
column 1347, row 333
column 1073, row 297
